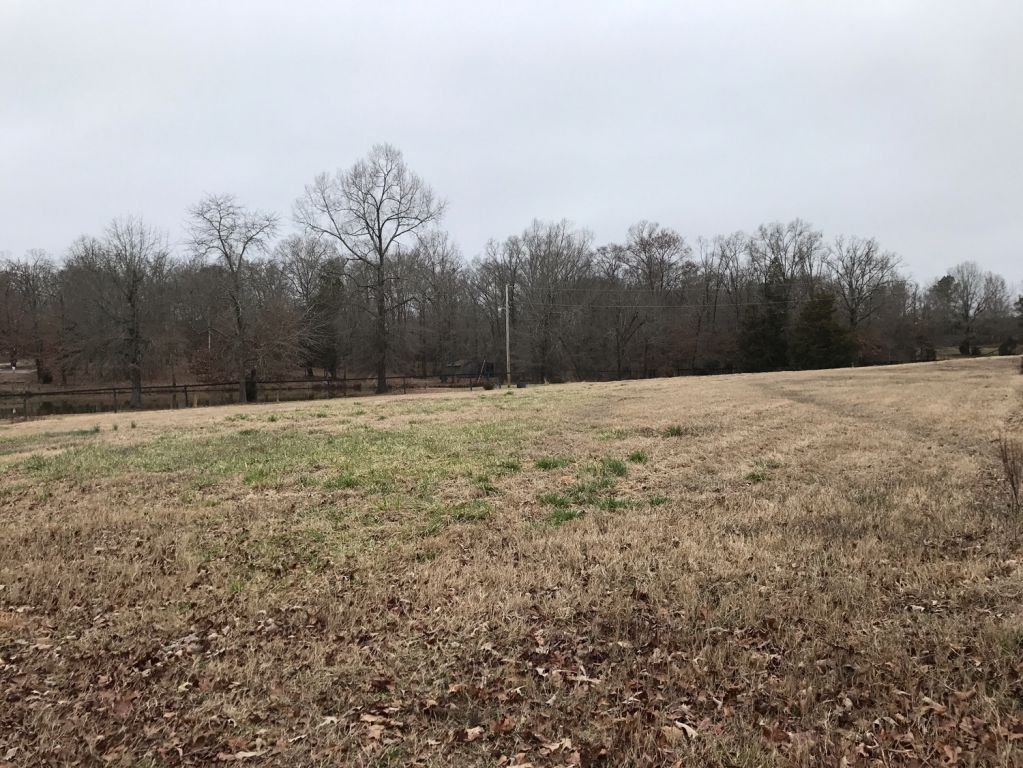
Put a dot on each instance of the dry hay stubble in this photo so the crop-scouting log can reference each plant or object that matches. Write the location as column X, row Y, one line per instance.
column 807, row 571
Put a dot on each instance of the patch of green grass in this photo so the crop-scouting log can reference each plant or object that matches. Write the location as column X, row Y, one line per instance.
column 590, row 490
column 341, row 482
column 638, row 457
column 509, row 465
column 657, row 501
column 484, row 482
column 615, row 467
column 272, row 418
column 551, row 462
column 259, row 476
column 34, row 464
column 614, row 433
column 470, row 511
column 420, row 457
column 681, row 430
column 554, row 500
column 759, row 472
column 474, row 511
column 562, row 515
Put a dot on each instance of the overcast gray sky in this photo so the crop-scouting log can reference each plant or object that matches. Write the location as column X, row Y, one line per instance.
column 902, row 120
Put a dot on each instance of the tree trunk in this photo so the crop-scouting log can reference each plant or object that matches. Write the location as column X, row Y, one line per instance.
column 135, row 375
column 242, row 389
column 381, row 337
column 239, row 321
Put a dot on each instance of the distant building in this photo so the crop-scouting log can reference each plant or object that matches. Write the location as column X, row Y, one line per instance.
column 467, row 370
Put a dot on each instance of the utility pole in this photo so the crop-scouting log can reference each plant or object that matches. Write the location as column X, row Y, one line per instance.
column 507, row 336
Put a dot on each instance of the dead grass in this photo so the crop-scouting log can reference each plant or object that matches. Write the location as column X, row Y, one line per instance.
column 778, row 569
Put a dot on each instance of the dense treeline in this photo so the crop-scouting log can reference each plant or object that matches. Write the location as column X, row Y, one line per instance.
column 371, row 284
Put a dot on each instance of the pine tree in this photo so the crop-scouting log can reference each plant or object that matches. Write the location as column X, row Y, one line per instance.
column 818, row 339
column 763, row 342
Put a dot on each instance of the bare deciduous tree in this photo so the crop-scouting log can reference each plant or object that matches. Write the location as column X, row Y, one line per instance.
column 975, row 293
column 370, row 210
column 121, row 270
column 860, row 271
column 226, row 230
column 30, row 288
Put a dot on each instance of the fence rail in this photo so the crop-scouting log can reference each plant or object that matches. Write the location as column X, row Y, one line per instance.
column 28, row 404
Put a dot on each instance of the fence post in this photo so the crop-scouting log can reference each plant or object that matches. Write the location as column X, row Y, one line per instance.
column 115, row 399
column 404, row 389
column 24, row 401
column 186, row 395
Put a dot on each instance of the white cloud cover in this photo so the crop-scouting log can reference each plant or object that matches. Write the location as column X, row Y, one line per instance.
column 899, row 120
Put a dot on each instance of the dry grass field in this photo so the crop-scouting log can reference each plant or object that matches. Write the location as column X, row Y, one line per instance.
column 776, row 569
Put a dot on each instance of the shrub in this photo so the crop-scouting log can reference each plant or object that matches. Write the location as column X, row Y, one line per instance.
column 488, row 384
column 638, row 457
column 1008, row 347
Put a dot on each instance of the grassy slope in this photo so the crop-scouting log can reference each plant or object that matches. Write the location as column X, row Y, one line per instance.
column 747, row 570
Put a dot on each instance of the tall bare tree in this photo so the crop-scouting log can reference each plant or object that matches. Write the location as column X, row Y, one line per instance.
column 975, row 293
column 861, row 271
column 223, row 228
column 371, row 210
column 30, row 289
column 121, row 271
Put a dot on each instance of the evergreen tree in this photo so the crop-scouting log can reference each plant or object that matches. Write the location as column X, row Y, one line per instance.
column 818, row 339
column 763, row 342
